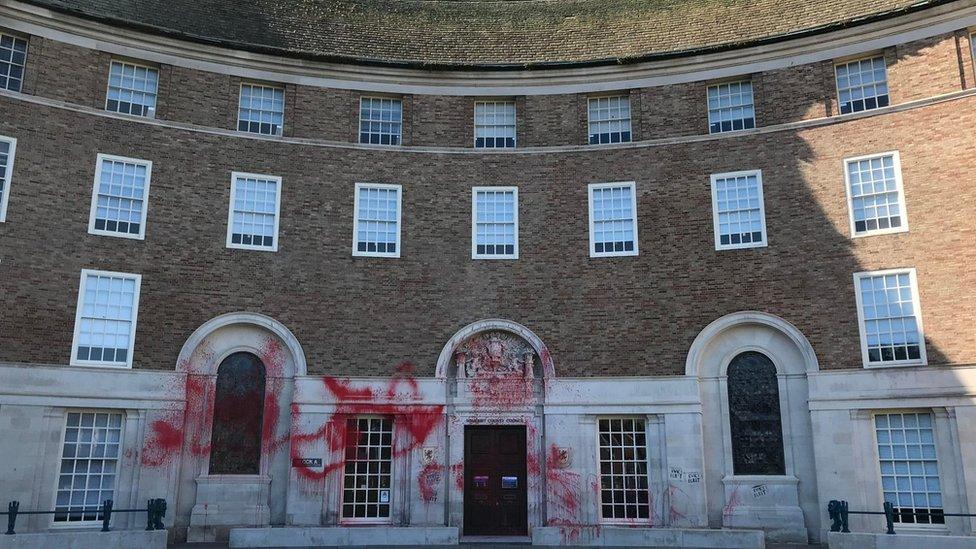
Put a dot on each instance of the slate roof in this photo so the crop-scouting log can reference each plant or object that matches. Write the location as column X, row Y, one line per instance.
column 485, row 33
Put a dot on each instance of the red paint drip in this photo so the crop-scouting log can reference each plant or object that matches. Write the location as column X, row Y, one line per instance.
column 457, row 471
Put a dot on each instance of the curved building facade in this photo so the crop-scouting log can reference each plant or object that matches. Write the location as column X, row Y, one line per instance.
column 585, row 272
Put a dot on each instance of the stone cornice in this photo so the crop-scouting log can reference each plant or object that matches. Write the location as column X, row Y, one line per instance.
column 806, row 49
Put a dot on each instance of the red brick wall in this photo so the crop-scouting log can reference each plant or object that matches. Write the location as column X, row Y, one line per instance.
column 614, row 316
column 608, row 316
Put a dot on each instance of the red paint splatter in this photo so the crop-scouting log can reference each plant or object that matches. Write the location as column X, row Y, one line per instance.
column 563, row 488
column 163, row 443
column 427, row 481
column 457, row 470
column 733, row 502
column 417, row 421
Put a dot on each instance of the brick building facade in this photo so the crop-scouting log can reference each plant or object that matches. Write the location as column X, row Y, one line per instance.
column 559, row 348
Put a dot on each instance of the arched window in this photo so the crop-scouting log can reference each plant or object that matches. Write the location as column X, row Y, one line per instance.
column 754, row 417
column 235, row 445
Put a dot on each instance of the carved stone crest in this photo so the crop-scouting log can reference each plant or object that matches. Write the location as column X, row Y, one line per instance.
column 495, row 354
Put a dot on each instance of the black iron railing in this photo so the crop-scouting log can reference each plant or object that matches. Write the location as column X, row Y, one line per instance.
column 155, row 511
column 838, row 512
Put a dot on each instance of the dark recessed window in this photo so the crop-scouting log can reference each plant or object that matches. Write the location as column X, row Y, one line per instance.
column 754, row 416
column 13, row 60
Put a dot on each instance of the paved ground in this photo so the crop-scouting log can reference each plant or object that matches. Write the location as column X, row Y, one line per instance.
column 465, row 545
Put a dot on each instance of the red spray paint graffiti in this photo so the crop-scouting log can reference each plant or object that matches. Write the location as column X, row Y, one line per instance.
column 190, row 431
column 428, row 480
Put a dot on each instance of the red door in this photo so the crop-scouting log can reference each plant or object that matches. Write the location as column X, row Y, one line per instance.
column 495, row 495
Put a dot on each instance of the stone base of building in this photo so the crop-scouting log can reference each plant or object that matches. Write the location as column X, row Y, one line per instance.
column 340, row 536
column 838, row 540
column 620, row 536
column 75, row 539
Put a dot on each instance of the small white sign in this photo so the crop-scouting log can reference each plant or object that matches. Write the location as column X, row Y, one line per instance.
column 384, row 496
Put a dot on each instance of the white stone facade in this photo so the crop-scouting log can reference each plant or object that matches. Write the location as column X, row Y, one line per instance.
column 828, row 437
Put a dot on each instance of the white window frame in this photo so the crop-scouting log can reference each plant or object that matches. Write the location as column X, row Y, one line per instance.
column 896, row 162
column 85, row 273
column 916, row 307
column 474, row 115
column 359, row 122
column 94, row 201
column 150, row 111
column 355, row 220
column 838, row 63
column 630, row 119
column 234, row 176
column 762, row 211
column 633, row 197
column 86, row 524
column 908, row 526
column 240, row 96
column 599, row 474
column 7, row 175
column 393, row 476
column 752, row 104
column 474, row 223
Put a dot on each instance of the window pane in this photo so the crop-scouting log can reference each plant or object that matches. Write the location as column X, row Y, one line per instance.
column 909, row 469
column 367, row 483
column 623, row 469
column 92, row 446
column 254, row 210
column 377, row 217
column 120, row 196
column 106, row 319
column 875, row 196
column 494, row 124
column 890, row 318
column 613, row 220
column 261, row 109
column 13, row 58
column 730, row 107
column 862, row 85
column 739, row 210
column 132, row 89
column 495, row 227
column 609, row 120
column 380, row 120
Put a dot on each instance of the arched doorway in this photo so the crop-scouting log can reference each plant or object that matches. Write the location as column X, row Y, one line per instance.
column 495, row 371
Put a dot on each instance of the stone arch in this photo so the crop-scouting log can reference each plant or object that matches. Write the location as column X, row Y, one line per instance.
column 447, row 353
column 198, row 357
column 788, row 508
column 237, row 500
column 696, row 365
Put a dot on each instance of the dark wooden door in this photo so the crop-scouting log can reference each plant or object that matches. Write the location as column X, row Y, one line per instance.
column 495, row 492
